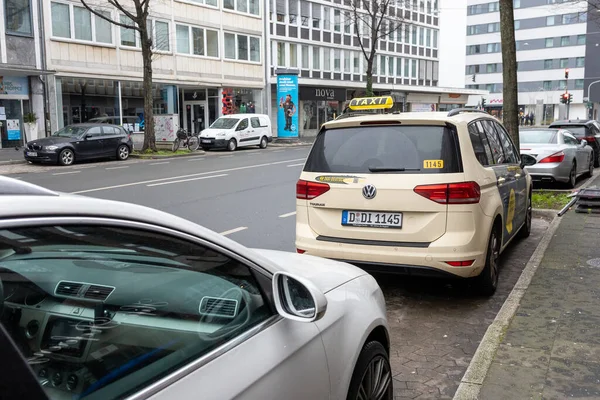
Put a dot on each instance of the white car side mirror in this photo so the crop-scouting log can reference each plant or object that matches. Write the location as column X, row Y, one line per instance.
column 583, row 143
column 297, row 298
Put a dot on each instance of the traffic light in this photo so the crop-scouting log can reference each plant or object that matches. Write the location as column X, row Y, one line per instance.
column 473, row 78
column 564, row 98
column 482, row 102
column 566, row 73
column 570, row 98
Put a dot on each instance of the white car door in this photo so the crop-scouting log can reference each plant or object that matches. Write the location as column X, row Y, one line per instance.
column 242, row 133
column 257, row 131
column 581, row 155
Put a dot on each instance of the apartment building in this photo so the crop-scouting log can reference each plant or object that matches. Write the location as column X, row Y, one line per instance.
column 551, row 37
column 22, row 70
column 316, row 38
column 208, row 61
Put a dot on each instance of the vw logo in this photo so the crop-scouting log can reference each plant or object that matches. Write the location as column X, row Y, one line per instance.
column 369, row 191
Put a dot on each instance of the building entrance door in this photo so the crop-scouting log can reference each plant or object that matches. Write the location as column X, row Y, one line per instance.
column 195, row 118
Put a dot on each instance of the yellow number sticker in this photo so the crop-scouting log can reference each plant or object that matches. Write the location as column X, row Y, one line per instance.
column 433, row 164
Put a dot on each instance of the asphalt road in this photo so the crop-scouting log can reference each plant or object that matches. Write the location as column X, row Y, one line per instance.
column 249, row 195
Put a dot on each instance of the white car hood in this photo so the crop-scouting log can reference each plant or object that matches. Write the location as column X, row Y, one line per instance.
column 323, row 273
column 212, row 132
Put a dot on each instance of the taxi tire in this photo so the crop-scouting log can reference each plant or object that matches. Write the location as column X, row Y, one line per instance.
column 525, row 230
column 487, row 281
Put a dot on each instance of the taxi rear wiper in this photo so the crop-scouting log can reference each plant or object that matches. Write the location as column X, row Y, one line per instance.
column 392, row 169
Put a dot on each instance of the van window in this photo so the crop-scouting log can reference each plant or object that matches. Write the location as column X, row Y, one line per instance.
column 263, row 122
column 385, row 149
column 243, row 125
column 255, row 122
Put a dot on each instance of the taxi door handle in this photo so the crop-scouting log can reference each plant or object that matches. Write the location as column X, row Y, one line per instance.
column 501, row 180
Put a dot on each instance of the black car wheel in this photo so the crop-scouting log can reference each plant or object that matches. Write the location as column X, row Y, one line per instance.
column 572, row 176
column 66, row 157
column 123, row 152
column 372, row 377
column 487, row 281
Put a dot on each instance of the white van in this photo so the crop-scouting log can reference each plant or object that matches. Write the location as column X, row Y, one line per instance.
column 237, row 130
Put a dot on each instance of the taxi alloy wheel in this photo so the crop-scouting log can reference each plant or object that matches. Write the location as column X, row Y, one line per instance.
column 487, row 281
column 526, row 228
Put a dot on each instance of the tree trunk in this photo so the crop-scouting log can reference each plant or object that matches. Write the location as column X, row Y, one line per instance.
column 510, row 91
column 149, row 136
column 369, row 89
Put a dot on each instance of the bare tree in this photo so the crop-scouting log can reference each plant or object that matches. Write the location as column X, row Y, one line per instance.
column 377, row 23
column 137, row 13
column 510, row 91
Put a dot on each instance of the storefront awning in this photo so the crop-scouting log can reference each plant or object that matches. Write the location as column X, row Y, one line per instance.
column 20, row 71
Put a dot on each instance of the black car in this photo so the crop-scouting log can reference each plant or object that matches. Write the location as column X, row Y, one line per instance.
column 583, row 129
column 80, row 142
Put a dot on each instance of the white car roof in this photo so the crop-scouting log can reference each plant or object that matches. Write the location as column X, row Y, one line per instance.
column 247, row 115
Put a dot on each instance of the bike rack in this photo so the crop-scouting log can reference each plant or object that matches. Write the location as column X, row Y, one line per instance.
column 587, row 201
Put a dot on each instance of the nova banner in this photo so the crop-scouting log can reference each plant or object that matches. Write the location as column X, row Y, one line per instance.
column 287, row 112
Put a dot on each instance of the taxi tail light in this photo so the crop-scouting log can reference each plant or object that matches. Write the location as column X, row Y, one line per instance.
column 300, row 251
column 453, row 193
column 467, row 263
column 306, row 190
column 553, row 158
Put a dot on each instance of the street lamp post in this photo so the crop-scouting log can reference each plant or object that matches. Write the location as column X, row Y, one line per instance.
column 590, row 96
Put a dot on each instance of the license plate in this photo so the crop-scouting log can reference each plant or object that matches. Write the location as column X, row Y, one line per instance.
column 206, row 141
column 372, row 219
column 32, row 154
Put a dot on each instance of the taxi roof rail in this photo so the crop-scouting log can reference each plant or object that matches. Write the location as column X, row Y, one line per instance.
column 457, row 111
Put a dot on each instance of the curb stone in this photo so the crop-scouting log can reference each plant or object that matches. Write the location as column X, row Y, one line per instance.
column 474, row 377
column 12, row 162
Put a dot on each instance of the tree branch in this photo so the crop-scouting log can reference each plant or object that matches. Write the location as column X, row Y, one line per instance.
column 104, row 17
column 124, row 11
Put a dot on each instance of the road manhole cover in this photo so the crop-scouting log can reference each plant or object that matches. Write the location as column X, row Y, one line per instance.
column 594, row 262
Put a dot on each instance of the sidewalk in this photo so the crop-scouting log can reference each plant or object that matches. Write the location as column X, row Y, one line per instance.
column 551, row 349
column 11, row 156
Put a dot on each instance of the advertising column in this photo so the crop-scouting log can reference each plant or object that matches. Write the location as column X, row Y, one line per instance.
column 287, row 100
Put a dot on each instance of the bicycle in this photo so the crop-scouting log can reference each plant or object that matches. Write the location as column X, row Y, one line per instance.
column 186, row 139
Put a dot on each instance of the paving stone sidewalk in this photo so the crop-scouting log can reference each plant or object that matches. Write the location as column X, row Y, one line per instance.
column 551, row 349
column 11, row 156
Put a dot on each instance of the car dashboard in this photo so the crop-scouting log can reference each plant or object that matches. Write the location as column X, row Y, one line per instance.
column 81, row 328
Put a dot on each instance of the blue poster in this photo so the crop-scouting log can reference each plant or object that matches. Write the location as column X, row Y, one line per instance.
column 13, row 129
column 287, row 112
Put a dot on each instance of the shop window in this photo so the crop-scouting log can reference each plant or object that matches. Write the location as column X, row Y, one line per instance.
column 18, row 17
column 242, row 47
column 243, row 6
column 83, row 100
column 241, row 101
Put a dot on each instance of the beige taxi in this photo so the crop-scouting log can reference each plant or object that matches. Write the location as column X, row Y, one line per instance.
column 428, row 193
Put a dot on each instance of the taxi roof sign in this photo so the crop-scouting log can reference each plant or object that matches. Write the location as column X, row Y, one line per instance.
column 371, row 103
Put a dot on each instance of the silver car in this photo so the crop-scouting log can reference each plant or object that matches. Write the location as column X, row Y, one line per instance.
column 558, row 155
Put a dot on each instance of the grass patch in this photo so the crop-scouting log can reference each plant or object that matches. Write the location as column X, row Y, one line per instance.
column 548, row 199
column 161, row 153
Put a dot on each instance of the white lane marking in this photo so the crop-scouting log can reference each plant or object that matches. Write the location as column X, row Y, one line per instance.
column 186, row 180
column 196, row 158
column 278, row 151
column 295, row 165
column 66, row 173
column 160, row 163
column 287, row 215
column 231, row 155
column 229, row 232
column 187, row 176
column 124, row 166
column 251, row 151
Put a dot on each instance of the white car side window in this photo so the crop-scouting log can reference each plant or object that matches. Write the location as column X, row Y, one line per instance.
column 110, row 310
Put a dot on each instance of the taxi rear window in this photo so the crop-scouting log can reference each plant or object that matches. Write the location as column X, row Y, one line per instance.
column 385, row 149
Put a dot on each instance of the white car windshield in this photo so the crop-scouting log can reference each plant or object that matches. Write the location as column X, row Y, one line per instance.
column 224, row 123
column 545, row 136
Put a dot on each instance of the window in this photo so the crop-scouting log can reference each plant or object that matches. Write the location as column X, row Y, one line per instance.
column 565, row 40
column 382, row 65
column 18, row 17
column 243, row 6
column 316, row 59
column 348, row 150
column 95, row 131
column 517, row 24
column 421, row 36
column 568, row 139
column 336, row 20
column 61, row 21
column 281, row 54
column 435, row 39
column 478, row 147
column 183, row 39
column 497, row 152
column 161, row 34
column 406, row 68
column 414, row 35
column 547, row 85
column 242, row 125
column 149, row 352
column 548, row 64
column 580, row 62
column 254, row 122
column 293, row 12
column 304, row 12
column 564, row 62
column 549, row 42
column 347, row 22
column 326, row 16
column 204, row 42
column 326, row 59
column 398, row 67
column 390, row 66
column 293, row 55
column 337, row 54
column 580, row 40
column 82, row 21
column 242, row 47
column 103, row 28
column 305, row 60
column 510, row 155
column 356, row 62
column 491, row 68
column 562, row 84
column 414, row 69
column 550, row 20
column 428, row 38
column 578, row 83
column 347, row 57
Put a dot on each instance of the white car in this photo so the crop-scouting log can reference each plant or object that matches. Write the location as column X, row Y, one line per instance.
column 237, row 130
column 107, row 300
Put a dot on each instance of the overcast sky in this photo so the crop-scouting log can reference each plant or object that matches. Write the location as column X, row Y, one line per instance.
column 453, row 42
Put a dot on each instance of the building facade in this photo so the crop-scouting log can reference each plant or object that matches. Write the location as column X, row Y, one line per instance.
column 317, row 39
column 551, row 37
column 22, row 72
column 208, row 61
